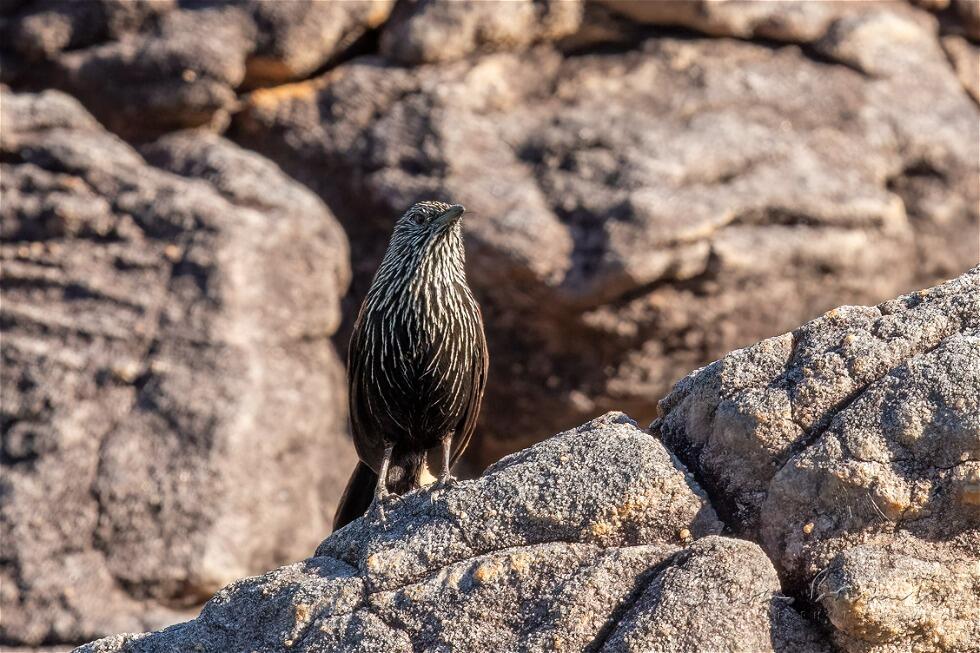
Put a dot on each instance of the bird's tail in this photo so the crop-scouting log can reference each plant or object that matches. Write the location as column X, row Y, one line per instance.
column 357, row 496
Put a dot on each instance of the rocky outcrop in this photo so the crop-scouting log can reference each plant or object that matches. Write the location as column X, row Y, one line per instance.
column 627, row 207
column 164, row 342
column 157, row 65
column 650, row 186
column 628, row 182
column 571, row 545
column 857, row 441
column 850, row 454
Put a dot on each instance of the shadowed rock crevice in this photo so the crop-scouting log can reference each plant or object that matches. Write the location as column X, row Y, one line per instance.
column 628, row 605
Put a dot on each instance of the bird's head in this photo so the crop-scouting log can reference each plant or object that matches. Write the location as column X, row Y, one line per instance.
column 427, row 243
column 428, row 220
column 426, row 248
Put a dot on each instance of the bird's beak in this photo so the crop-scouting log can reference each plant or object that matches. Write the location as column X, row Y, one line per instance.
column 452, row 214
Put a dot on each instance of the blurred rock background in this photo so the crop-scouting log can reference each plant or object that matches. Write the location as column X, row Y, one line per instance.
column 196, row 194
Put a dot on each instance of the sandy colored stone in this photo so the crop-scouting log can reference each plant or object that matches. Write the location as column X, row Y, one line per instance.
column 144, row 68
column 444, row 30
column 903, row 594
column 849, row 449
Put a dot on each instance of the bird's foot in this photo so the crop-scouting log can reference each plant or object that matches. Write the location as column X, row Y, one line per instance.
column 446, row 481
column 441, row 485
column 376, row 511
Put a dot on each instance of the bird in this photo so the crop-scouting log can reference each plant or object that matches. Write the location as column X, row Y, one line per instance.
column 417, row 361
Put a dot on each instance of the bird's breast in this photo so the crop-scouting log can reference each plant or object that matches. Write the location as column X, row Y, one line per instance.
column 419, row 355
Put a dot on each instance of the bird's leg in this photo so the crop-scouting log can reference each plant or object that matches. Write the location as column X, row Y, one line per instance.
column 381, row 488
column 445, row 478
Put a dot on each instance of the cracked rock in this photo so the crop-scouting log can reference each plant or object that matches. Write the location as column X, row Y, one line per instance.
column 903, row 594
column 570, row 545
column 163, row 339
column 854, row 439
column 627, row 207
column 719, row 594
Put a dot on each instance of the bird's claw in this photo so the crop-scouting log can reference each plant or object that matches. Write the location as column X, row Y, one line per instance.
column 376, row 512
column 446, row 482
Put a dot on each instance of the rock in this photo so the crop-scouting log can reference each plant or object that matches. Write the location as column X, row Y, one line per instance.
column 901, row 454
column 782, row 20
column 600, row 539
column 968, row 11
column 857, row 438
column 880, row 43
column 570, row 545
column 719, row 594
column 618, row 231
column 868, row 593
column 769, row 401
column 41, row 30
column 148, row 67
column 298, row 37
column 642, row 498
column 965, row 57
column 165, row 340
column 445, row 30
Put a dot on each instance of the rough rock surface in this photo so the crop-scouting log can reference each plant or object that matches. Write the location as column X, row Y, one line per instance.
column 627, row 207
column 857, row 441
column 163, row 341
column 571, row 545
column 146, row 67
column 719, row 594
column 444, row 30
column 965, row 57
column 780, row 20
column 903, row 594
column 638, row 209
column 851, row 453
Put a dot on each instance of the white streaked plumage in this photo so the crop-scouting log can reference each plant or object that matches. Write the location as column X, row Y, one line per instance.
column 418, row 359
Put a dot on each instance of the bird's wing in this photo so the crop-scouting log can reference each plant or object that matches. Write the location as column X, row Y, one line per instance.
column 479, row 367
column 358, row 409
